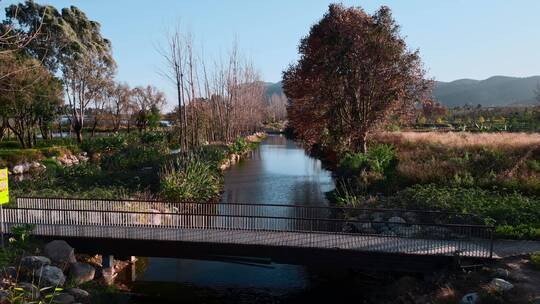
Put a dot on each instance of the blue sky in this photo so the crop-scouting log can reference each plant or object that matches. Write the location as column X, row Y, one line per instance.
column 457, row 39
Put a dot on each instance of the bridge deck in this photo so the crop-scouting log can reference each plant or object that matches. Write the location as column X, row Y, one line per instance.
column 351, row 231
column 303, row 239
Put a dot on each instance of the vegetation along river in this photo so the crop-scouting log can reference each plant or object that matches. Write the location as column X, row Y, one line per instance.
column 277, row 172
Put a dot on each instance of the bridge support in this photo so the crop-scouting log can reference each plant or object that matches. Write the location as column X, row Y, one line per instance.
column 108, row 268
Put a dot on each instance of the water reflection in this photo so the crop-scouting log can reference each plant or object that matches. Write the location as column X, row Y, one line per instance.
column 278, row 172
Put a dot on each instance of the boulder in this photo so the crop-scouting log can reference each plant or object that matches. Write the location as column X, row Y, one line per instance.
column 503, row 273
column 81, row 273
column 470, row 298
column 501, row 285
column 51, row 276
column 4, row 297
column 410, row 217
column 396, row 222
column 9, row 273
column 20, row 169
column 60, row 253
column 155, row 219
column 378, row 224
column 408, row 231
column 31, row 290
column 63, row 298
column 80, row 295
column 33, row 262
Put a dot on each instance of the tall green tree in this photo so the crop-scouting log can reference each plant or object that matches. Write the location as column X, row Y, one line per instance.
column 29, row 99
column 71, row 44
column 355, row 72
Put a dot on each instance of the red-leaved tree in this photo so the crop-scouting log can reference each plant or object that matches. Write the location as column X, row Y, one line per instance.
column 355, row 72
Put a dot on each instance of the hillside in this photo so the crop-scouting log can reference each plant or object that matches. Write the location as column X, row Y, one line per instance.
column 495, row 91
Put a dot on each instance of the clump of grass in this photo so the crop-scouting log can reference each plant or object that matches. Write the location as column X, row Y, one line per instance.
column 188, row 178
column 535, row 260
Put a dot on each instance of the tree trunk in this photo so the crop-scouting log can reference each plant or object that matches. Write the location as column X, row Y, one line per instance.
column 361, row 144
column 78, row 131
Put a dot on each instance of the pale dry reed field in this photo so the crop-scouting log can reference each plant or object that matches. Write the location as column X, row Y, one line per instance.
column 464, row 139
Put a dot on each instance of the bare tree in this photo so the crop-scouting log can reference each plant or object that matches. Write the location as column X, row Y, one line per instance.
column 119, row 102
column 84, row 81
column 216, row 104
column 146, row 100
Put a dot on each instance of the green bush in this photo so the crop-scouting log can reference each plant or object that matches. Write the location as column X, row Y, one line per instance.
column 240, row 146
column 12, row 157
column 132, row 157
column 213, row 154
column 10, row 145
column 106, row 144
column 189, row 179
column 380, row 159
column 514, row 215
column 535, row 260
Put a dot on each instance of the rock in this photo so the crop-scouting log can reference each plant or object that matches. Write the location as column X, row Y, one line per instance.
column 503, row 273
column 51, row 276
column 60, row 253
column 501, row 285
column 108, row 275
column 32, row 290
column 20, row 169
column 155, row 218
column 410, row 217
column 34, row 262
column 470, row 298
column 396, row 222
column 377, row 222
column 81, row 273
column 4, row 297
column 80, row 295
column 408, row 231
column 63, row 298
column 9, row 273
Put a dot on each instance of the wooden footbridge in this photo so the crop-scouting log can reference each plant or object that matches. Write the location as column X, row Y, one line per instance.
column 292, row 234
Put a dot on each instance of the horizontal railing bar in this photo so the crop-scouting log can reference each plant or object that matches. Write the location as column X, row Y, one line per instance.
column 338, row 233
column 254, row 204
column 254, row 216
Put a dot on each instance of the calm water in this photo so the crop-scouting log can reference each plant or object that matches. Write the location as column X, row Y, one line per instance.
column 278, row 172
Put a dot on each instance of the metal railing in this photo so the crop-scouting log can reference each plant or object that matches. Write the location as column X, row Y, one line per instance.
column 381, row 230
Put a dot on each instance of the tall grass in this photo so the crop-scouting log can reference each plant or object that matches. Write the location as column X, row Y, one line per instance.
column 462, row 139
column 189, row 178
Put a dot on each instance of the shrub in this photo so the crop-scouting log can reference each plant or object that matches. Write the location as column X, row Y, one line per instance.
column 213, row 154
column 188, row 179
column 514, row 215
column 132, row 157
column 535, row 260
column 240, row 146
column 13, row 157
column 104, row 144
column 380, row 159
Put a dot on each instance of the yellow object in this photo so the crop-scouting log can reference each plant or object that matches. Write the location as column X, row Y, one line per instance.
column 4, row 187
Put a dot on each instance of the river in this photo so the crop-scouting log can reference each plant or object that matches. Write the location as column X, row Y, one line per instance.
column 277, row 172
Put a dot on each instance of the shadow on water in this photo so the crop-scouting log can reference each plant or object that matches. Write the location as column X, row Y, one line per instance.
column 277, row 172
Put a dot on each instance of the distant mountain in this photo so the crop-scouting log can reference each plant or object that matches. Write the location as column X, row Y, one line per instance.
column 273, row 88
column 495, row 91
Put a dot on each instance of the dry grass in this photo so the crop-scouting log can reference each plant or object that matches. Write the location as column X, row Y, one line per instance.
column 510, row 160
column 464, row 139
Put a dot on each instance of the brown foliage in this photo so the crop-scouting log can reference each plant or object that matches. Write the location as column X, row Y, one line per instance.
column 355, row 72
